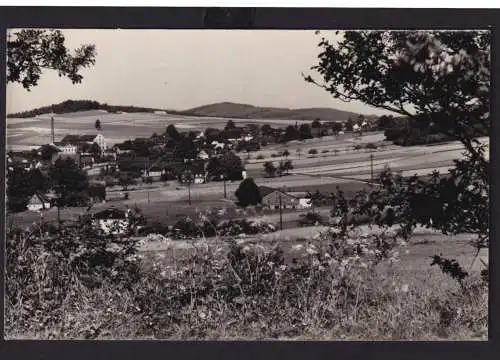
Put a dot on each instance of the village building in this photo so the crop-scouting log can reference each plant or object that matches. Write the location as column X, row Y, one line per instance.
column 39, row 202
column 69, row 142
column 272, row 198
column 203, row 155
column 112, row 221
column 154, row 172
column 123, row 148
column 195, row 172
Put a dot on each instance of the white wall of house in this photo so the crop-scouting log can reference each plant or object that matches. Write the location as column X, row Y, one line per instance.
column 101, row 141
column 68, row 149
column 199, row 180
column 38, row 206
column 305, row 203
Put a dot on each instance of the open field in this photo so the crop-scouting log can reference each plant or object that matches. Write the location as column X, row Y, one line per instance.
column 28, row 132
column 416, row 256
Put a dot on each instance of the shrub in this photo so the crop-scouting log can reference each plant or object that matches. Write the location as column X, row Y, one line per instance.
column 248, row 193
column 311, row 219
column 312, row 152
column 260, row 157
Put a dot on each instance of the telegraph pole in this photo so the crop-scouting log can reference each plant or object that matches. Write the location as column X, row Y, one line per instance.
column 225, row 191
column 281, row 214
column 371, row 166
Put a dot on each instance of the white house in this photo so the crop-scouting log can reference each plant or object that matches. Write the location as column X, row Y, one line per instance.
column 38, row 202
column 66, row 148
column 302, row 202
column 355, row 127
column 203, row 155
column 79, row 140
column 305, row 203
column 112, row 221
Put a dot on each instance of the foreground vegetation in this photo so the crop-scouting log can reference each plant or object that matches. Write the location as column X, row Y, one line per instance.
column 339, row 286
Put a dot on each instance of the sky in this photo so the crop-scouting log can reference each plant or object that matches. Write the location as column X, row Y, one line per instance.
column 182, row 69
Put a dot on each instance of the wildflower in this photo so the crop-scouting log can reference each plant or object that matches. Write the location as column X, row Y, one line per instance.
column 311, row 249
column 202, row 315
column 297, row 247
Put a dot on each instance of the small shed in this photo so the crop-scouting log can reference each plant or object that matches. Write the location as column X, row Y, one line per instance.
column 38, row 202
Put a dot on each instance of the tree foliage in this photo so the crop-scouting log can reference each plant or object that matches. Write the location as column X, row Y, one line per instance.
column 69, row 182
column 228, row 166
column 441, row 77
column 439, row 81
column 22, row 185
column 269, row 169
column 97, row 125
column 248, row 193
column 30, row 51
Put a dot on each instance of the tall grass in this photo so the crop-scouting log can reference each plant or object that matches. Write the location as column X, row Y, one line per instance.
column 331, row 289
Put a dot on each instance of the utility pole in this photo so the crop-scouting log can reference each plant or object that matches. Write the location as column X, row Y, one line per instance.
column 189, row 191
column 371, row 166
column 225, row 191
column 281, row 214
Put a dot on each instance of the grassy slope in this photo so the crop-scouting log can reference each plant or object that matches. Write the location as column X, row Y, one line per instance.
column 232, row 110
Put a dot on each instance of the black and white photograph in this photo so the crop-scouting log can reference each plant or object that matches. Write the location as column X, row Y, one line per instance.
column 233, row 184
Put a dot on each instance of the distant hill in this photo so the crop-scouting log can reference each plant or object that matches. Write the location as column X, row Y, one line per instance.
column 72, row 106
column 232, row 110
column 222, row 110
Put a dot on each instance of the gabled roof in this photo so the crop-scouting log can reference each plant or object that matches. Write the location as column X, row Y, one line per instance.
column 75, row 139
column 266, row 190
column 41, row 197
column 110, row 213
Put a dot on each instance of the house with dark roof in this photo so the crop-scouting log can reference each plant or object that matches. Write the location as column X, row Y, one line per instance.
column 195, row 172
column 39, row 202
column 272, row 198
column 112, row 220
column 78, row 141
column 154, row 172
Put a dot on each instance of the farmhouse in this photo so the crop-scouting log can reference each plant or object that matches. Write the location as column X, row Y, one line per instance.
column 124, row 148
column 196, row 171
column 111, row 221
column 38, row 202
column 155, row 172
column 203, row 155
column 79, row 141
column 272, row 198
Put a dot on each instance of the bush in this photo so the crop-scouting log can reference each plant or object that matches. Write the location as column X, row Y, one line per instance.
column 312, row 152
column 311, row 219
column 248, row 193
column 260, row 157
column 371, row 146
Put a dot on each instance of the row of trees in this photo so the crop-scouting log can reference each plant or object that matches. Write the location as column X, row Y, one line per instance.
column 69, row 183
column 283, row 168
